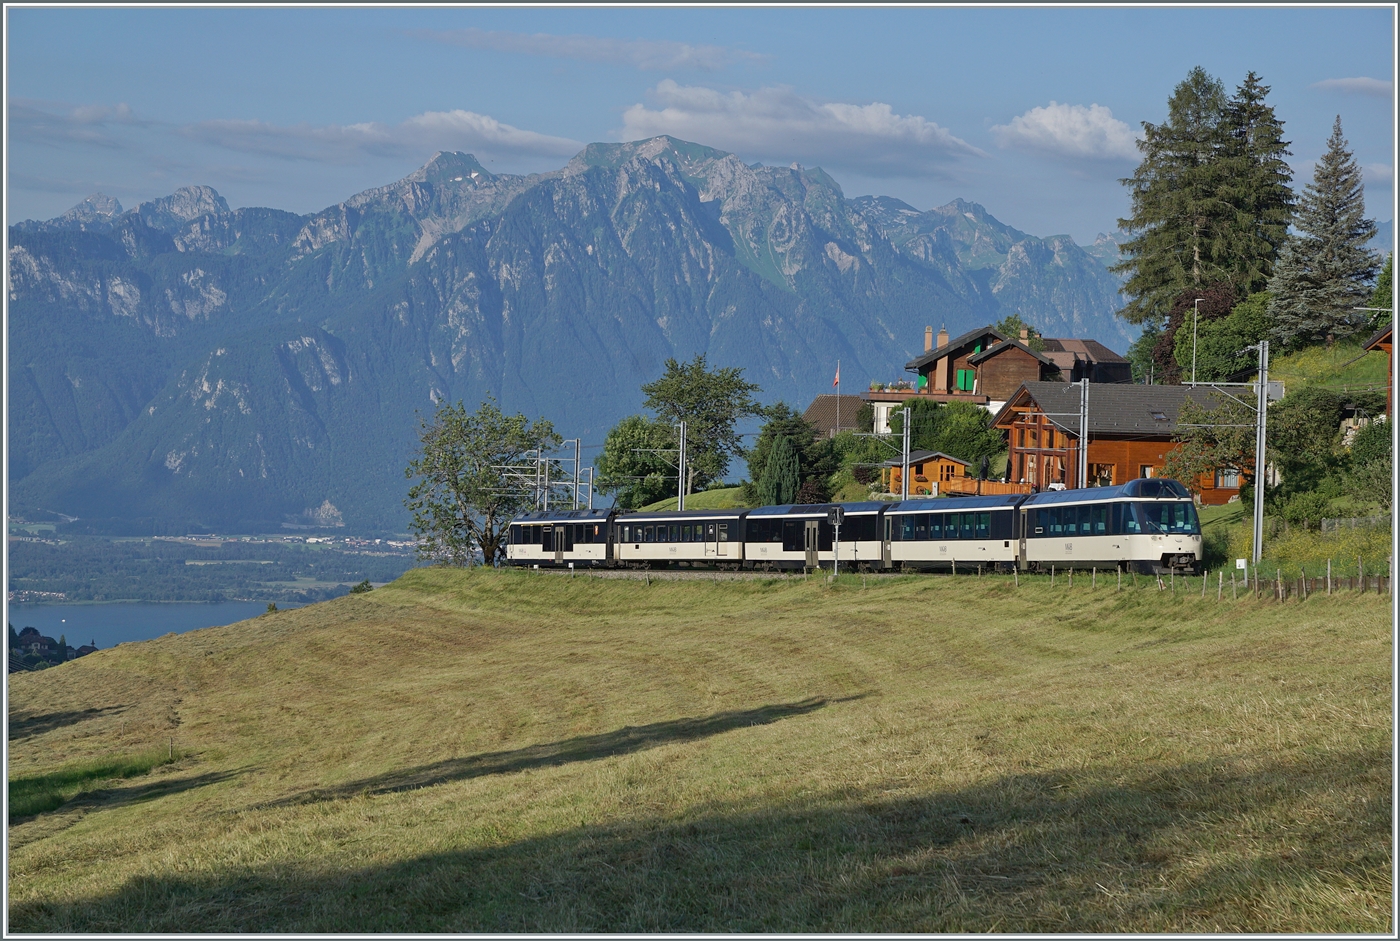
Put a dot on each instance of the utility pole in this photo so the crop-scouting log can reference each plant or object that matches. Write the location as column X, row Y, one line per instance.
column 1259, row 452
column 680, row 481
column 578, row 446
column 904, row 464
column 1083, row 469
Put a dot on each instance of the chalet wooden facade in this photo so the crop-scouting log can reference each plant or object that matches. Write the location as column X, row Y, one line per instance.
column 927, row 469
column 985, row 367
column 1130, row 431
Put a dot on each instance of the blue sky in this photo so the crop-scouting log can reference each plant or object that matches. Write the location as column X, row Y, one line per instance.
column 1030, row 111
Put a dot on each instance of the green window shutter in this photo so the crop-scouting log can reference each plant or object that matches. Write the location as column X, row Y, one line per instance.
column 965, row 379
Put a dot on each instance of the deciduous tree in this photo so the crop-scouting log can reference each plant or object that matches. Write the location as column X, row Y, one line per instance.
column 635, row 464
column 465, row 496
column 711, row 403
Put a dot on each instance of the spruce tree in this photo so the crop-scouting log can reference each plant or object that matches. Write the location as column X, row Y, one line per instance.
column 783, row 475
column 1325, row 270
column 1179, row 212
column 1255, row 182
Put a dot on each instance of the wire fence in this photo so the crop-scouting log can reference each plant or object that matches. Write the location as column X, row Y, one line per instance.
column 1355, row 522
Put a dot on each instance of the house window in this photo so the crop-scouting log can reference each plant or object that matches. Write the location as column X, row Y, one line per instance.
column 966, row 379
column 1227, row 477
column 945, row 471
column 1145, row 470
column 1020, row 437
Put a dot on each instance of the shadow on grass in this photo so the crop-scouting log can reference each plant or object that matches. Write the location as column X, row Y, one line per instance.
column 24, row 725
column 583, row 748
column 1258, row 845
column 112, row 796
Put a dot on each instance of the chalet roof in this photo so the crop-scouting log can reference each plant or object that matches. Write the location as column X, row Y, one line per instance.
column 920, row 457
column 980, row 358
column 1115, row 409
column 954, row 344
column 1091, row 350
column 1380, row 336
column 822, row 412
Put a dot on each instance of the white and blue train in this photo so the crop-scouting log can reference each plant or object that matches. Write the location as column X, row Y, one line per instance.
column 1148, row 525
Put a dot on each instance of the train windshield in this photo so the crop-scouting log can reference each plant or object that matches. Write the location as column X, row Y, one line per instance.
column 1167, row 518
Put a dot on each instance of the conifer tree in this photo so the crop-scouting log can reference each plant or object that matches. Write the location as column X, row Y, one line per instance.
column 783, row 475
column 1255, row 182
column 1178, row 211
column 1325, row 269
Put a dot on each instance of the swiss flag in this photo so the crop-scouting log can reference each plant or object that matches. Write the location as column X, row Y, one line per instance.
column 837, row 381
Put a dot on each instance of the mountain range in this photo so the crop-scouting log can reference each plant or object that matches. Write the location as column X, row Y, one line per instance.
column 186, row 366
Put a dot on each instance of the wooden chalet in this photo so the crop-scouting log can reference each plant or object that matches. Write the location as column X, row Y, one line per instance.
column 1380, row 340
column 1130, row 431
column 927, row 469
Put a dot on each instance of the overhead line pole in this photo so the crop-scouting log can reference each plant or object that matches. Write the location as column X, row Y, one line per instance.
column 680, row 478
column 1260, row 450
column 904, row 461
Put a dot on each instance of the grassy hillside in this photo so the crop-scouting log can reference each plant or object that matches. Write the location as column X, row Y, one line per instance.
column 511, row 751
column 1343, row 366
column 727, row 498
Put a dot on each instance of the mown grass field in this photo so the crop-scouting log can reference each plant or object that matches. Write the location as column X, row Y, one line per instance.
column 513, row 751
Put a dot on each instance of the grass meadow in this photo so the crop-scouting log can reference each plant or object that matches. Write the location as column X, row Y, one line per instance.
column 516, row 751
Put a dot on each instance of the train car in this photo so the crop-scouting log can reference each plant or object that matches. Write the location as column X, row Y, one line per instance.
column 1147, row 525
column 801, row 536
column 559, row 537
column 967, row 532
column 690, row 537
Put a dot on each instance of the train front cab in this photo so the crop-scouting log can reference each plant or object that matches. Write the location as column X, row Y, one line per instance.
column 1147, row 525
column 555, row 538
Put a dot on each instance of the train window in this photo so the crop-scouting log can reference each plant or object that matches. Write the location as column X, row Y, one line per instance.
column 1042, row 521
column 1098, row 518
column 858, row 528
column 906, row 527
column 675, row 532
column 983, row 529
column 648, row 533
column 936, row 522
column 685, row 532
column 723, row 532
column 921, row 526
column 1001, row 524
column 1167, row 518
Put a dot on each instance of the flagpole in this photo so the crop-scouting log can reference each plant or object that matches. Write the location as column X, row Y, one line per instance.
column 838, row 398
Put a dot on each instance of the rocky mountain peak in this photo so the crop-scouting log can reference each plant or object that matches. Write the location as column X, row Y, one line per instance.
column 170, row 213
column 99, row 207
column 450, row 167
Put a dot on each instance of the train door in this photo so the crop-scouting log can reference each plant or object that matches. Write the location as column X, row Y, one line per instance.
column 886, row 547
column 1023, row 520
column 810, row 542
column 563, row 541
column 711, row 540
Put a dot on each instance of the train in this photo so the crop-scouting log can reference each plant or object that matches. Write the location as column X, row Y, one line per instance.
column 1148, row 525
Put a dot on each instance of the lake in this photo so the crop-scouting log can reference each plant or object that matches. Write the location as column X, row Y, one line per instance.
column 112, row 624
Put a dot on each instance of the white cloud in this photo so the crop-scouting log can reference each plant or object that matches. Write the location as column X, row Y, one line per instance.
column 55, row 123
column 1069, row 131
column 340, row 143
column 640, row 53
column 1378, row 174
column 1381, row 88
column 775, row 123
